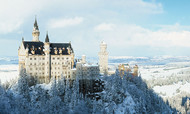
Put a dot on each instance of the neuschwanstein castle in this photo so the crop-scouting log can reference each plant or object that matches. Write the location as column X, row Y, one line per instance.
column 44, row 60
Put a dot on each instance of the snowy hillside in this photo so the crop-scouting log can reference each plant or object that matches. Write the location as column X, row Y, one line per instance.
column 121, row 96
column 167, row 75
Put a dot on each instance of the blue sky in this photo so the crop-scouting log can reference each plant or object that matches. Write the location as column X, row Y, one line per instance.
column 129, row 27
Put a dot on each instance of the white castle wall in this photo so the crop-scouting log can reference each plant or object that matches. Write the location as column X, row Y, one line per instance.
column 103, row 58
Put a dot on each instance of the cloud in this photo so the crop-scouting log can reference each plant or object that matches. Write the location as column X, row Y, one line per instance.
column 9, row 26
column 13, row 13
column 104, row 27
column 133, row 35
column 65, row 22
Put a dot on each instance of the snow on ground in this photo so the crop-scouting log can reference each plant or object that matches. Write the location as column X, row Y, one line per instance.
column 8, row 72
column 162, row 71
column 172, row 90
column 185, row 87
column 45, row 86
column 153, row 72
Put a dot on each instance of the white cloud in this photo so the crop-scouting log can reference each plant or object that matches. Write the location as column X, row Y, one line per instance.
column 13, row 13
column 104, row 27
column 9, row 26
column 133, row 35
column 65, row 22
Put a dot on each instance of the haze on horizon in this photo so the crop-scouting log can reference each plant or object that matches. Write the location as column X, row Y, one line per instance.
column 129, row 27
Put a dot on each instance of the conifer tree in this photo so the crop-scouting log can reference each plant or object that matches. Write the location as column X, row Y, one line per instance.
column 23, row 88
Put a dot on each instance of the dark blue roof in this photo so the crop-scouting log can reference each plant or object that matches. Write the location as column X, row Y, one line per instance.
column 39, row 46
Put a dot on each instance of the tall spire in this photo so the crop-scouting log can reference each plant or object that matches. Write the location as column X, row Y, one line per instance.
column 35, row 32
column 36, row 24
column 47, row 37
column 23, row 39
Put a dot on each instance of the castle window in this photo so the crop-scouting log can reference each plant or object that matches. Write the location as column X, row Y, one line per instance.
column 34, row 58
column 67, row 58
column 53, row 58
column 58, row 58
column 43, row 58
column 30, row 68
column 36, row 68
column 30, row 74
column 30, row 58
column 30, row 63
column 63, row 58
column 34, row 63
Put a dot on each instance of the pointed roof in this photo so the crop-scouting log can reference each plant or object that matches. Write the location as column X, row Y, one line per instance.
column 22, row 38
column 36, row 24
column 47, row 38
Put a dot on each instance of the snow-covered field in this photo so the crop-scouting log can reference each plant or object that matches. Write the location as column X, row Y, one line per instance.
column 8, row 72
column 172, row 90
column 166, row 73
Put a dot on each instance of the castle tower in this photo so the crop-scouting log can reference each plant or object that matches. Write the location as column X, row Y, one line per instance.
column 47, row 59
column 83, row 59
column 103, row 58
column 35, row 32
column 135, row 72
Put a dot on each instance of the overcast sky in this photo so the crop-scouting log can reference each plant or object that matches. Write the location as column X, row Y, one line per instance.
column 129, row 27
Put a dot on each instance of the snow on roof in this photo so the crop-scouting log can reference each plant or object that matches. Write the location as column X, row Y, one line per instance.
column 90, row 65
column 74, row 69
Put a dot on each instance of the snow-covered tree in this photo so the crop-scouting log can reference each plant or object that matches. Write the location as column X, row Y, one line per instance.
column 61, row 87
column 39, row 100
column 68, row 94
column 55, row 105
column 75, row 93
column 23, row 88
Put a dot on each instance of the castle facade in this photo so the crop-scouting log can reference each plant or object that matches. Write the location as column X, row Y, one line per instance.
column 43, row 60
